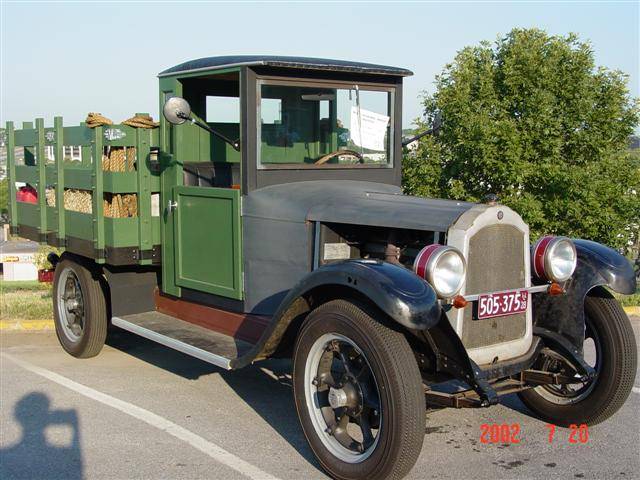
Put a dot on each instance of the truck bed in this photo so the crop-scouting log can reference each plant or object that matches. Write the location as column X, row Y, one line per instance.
column 59, row 161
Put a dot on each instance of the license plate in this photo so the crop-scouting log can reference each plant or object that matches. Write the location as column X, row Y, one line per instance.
column 503, row 303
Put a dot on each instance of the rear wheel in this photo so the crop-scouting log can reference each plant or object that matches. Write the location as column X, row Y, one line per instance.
column 358, row 393
column 611, row 350
column 79, row 308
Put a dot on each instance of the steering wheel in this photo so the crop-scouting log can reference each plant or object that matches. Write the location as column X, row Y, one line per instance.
column 325, row 158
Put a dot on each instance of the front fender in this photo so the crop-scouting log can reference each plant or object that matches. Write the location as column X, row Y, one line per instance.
column 397, row 291
column 598, row 265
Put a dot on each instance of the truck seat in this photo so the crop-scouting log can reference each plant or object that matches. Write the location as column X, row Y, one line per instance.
column 206, row 174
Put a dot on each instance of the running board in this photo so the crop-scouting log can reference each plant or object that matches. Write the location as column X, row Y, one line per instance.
column 206, row 345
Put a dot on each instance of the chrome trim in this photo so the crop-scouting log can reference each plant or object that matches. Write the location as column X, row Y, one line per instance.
column 549, row 253
column 433, row 262
column 196, row 352
column 458, row 235
column 535, row 289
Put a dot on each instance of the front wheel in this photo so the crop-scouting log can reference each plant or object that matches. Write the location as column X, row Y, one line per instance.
column 358, row 393
column 611, row 350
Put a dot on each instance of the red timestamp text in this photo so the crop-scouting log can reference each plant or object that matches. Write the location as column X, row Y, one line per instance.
column 510, row 433
column 577, row 433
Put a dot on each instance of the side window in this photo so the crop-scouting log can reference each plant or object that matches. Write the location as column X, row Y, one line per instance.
column 271, row 111
column 223, row 109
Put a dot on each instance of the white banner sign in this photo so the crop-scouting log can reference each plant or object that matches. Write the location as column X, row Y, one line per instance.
column 368, row 129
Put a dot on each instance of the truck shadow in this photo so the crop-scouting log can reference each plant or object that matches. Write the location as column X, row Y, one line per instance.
column 49, row 446
column 265, row 386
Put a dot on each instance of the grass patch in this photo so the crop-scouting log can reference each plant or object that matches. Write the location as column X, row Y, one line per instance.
column 29, row 285
column 629, row 300
column 25, row 301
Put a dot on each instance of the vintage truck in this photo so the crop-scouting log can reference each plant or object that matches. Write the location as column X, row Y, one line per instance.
column 270, row 221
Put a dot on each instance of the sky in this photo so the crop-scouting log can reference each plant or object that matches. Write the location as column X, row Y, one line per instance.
column 71, row 58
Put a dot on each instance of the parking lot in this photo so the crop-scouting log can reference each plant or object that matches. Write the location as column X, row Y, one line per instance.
column 140, row 410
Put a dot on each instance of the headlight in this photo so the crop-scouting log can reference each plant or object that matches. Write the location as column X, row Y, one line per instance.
column 554, row 258
column 443, row 267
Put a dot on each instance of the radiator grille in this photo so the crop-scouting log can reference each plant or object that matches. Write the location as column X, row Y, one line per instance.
column 495, row 262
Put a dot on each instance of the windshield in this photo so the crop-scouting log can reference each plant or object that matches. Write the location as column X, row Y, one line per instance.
column 324, row 127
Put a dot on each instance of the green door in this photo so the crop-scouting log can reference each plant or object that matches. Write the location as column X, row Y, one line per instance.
column 207, row 240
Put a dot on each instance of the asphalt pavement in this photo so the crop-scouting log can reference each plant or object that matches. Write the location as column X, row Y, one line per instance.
column 140, row 410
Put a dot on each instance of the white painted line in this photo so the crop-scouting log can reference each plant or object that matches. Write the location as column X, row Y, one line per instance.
column 636, row 389
column 216, row 452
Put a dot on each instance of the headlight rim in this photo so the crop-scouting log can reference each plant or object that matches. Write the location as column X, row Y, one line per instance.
column 426, row 270
column 543, row 252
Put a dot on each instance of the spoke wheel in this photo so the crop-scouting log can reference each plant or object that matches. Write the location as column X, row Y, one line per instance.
column 570, row 393
column 358, row 392
column 80, row 310
column 610, row 348
column 342, row 397
column 70, row 305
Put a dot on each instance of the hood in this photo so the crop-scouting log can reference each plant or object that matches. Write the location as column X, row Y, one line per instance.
column 352, row 202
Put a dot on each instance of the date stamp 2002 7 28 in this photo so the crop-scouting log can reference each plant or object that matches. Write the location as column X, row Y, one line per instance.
column 510, row 433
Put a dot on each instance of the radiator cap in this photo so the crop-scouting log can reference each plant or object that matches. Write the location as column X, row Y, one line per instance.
column 490, row 199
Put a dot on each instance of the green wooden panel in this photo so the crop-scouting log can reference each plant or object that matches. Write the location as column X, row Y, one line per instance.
column 155, row 230
column 81, row 135
column 51, row 174
column 59, row 166
column 42, row 176
column 119, row 136
column 52, row 218
column 11, row 172
column 120, row 182
column 79, row 225
column 28, row 214
column 50, row 136
column 25, row 137
column 207, row 240
column 170, row 177
column 78, row 178
column 26, row 173
column 121, row 232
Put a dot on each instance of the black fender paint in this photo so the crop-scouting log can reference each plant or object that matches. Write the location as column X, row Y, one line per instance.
column 397, row 291
column 597, row 266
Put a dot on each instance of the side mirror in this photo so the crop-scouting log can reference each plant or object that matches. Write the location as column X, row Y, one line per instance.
column 176, row 110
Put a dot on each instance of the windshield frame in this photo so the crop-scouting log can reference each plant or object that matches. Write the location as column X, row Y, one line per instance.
column 320, row 83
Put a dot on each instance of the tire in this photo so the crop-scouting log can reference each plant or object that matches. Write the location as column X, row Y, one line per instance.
column 81, row 326
column 390, row 399
column 616, row 363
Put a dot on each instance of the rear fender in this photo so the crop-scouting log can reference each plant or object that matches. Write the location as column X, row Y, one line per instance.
column 597, row 266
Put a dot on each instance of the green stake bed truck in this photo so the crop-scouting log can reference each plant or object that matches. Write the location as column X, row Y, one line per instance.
column 269, row 221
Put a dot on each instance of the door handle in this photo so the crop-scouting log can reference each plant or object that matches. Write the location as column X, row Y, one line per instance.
column 171, row 206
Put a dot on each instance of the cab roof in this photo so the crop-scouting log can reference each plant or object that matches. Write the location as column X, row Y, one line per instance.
column 299, row 63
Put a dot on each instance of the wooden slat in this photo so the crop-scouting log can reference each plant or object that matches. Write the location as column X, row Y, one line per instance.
column 60, row 171
column 98, row 194
column 11, row 171
column 25, row 173
column 143, row 148
column 42, row 176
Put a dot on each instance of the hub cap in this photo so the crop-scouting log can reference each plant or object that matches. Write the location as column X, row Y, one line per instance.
column 568, row 394
column 342, row 398
column 70, row 305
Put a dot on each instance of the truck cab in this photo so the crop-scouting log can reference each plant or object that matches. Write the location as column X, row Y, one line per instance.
column 295, row 120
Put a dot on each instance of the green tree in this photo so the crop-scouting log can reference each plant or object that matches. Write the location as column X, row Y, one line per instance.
column 533, row 120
